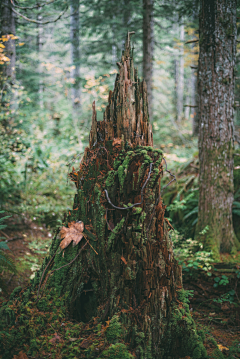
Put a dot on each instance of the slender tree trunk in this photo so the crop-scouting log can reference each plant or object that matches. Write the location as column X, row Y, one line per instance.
column 194, row 87
column 188, row 94
column 75, row 72
column 148, row 41
column 216, row 100
column 180, row 82
column 120, row 283
column 194, row 110
column 8, row 28
column 39, row 51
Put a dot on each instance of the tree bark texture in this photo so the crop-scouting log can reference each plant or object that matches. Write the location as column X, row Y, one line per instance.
column 148, row 46
column 8, row 28
column 216, row 110
column 121, row 283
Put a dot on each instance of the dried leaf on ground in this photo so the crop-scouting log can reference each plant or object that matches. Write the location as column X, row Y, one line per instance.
column 221, row 347
column 124, row 260
column 73, row 233
column 55, row 339
column 21, row 355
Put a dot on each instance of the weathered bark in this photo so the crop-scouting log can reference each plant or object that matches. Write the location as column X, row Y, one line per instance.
column 123, row 271
column 8, row 28
column 148, row 41
column 216, row 100
column 75, row 68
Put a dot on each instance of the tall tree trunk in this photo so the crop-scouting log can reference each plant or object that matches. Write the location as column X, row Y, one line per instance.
column 39, row 50
column 188, row 94
column 194, row 110
column 180, row 82
column 120, row 282
column 148, row 45
column 216, row 100
column 194, row 87
column 8, row 28
column 75, row 71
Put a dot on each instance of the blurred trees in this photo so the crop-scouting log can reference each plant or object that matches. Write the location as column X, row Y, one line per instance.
column 7, row 29
column 75, row 67
column 148, row 45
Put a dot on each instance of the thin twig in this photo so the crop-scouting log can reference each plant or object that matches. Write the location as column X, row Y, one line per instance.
column 40, row 22
column 65, row 265
column 38, row 6
column 107, row 221
column 45, row 271
column 135, row 204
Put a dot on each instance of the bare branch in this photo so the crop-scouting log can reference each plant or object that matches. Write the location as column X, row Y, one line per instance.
column 37, row 6
column 191, row 41
column 40, row 22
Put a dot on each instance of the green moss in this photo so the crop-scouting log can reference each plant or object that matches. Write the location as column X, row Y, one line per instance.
column 110, row 179
column 114, row 330
column 116, row 351
column 114, row 233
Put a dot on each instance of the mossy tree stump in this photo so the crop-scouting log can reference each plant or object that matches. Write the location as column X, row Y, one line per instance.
column 118, row 292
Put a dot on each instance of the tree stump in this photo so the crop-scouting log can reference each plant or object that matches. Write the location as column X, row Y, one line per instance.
column 118, row 292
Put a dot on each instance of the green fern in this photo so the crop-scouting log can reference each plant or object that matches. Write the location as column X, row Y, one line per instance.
column 6, row 262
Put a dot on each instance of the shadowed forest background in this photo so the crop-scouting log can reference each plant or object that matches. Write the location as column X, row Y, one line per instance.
column 56, row 58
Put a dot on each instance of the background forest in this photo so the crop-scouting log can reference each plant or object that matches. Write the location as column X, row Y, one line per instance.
column 56, row 58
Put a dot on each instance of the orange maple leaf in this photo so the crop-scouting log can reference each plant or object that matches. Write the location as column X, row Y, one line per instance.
column 73, row 233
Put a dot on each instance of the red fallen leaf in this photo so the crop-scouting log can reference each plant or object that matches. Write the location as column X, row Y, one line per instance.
column 21, row 355
column 124, row 260
column 72, row 233
column 55, row 339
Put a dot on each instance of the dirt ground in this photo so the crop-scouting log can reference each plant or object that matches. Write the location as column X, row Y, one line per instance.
column 218, row 319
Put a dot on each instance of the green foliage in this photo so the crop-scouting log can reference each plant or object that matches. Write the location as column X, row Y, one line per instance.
column 6, row 262
column 114, row 331
column 116, row 351
column 190, row 256
column 221, row 281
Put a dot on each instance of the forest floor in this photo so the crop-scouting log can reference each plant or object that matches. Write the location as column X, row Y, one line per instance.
column 219, row 319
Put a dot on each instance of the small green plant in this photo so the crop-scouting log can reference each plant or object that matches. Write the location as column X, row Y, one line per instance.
column 226, row 297
column 221, row 281
column 190, row 255
column 6, row 262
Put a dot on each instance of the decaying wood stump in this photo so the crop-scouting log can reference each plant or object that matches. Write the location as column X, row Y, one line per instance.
column 118, row 291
